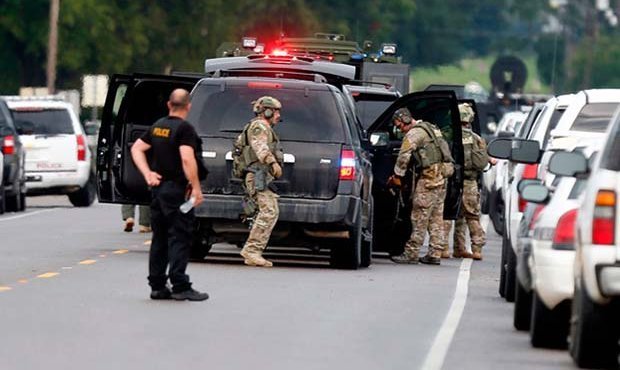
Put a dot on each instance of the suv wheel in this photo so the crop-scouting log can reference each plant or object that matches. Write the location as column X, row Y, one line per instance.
column 86, row 195
column 511, row 272
column 496, row 211
column 202, row 241
column 347, row 255
column 548, row 328
column 523, row 308
column 2, row 200
column 502, row 270
column 594, row 332
column 14, row 202
column 368, row 236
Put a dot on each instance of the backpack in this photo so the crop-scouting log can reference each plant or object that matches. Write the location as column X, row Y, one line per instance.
column 476, row 157
column 239, row 166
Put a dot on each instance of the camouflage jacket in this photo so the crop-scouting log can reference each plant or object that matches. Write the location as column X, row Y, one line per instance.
column 264, row 142
column 414, row 139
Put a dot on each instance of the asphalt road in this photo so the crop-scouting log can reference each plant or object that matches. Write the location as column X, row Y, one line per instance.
column 73, row 295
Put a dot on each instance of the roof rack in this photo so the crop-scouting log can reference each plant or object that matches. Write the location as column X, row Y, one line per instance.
column 366, row 82
column 283, row 59
column 33, row 97
column 271, row 74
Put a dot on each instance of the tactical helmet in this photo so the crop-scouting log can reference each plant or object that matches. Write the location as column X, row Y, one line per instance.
column 404, row 115
column 266, row 105
column 466, row 112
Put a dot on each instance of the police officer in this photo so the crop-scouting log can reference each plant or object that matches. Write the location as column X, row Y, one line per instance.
column 260, row 147
column 173, row 175
column 433, row 164
column 475, row 160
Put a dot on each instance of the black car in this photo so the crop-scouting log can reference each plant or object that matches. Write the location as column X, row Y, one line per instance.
column 332, row 194
column 13, row 193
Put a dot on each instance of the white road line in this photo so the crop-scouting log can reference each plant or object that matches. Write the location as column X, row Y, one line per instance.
column 441, row 344
column 27, row 214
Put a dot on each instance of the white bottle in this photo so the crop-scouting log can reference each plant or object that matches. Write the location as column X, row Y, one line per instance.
column 188, row 205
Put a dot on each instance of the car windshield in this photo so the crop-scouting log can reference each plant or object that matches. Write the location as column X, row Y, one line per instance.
column 594, row 117
column 369, row 107
column 34, row 121
column 307, row 115
column 609, row 159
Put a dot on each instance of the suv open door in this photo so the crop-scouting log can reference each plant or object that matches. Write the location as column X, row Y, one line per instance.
column 132, row 105
column 392, row 213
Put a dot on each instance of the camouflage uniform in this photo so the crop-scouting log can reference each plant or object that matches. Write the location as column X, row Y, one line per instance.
column 262, row 140
column 428, row 197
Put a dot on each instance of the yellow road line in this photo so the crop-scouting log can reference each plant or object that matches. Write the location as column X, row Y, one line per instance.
column 121, row 251
column 48, row 275
column 5, row 288
column 22, row 281
column 87, row 262
column 102, row 255
column 148, row 242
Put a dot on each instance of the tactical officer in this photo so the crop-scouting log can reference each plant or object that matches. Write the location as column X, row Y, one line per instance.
column 259, row 162
column 475, row 161
column 433, row 164
column 173, row 174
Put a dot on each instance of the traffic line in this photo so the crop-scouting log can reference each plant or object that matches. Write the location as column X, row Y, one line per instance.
column 441, row 344
column 87, row 262
column 22, row 281
column 148, row 242
column 27, row 215
column 5, row 288
column 48, row 275
column 121, row 251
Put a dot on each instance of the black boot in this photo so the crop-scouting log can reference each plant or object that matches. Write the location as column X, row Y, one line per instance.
column 405, row 258
column 430, row 260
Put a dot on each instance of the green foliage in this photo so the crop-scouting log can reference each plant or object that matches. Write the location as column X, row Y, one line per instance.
column 605, row 64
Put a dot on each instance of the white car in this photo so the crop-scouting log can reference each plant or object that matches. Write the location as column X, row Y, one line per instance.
column 594, row 329
column 58, row 160
column 2, row 200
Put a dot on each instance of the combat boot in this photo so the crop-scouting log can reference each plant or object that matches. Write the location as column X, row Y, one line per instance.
column 477, row 255
column 445, row 253
column 430, row 260
column 405, row 258
column 129, row 222
column 461, row 253
column 253, row 259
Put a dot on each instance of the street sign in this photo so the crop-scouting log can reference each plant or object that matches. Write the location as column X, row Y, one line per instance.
column 94, row 90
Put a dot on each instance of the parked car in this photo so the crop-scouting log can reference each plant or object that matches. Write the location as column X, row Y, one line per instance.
column 58, row 157
column 2, row 196
column 369, row 101
column 595, row 329
column 13, row 191
column 333, row 194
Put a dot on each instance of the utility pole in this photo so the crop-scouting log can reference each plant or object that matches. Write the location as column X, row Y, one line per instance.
column 592, row 34
column 52, row 47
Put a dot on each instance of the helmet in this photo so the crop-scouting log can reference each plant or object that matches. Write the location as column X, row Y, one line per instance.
column 266, row 105
column 467, row 113
column 404, row 115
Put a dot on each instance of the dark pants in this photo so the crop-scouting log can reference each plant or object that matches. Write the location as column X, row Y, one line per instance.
column 172, row 237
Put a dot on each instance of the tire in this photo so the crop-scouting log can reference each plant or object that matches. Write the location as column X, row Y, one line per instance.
column 548, row 328
column 496, row 212
column 523, row 308
column 484, row 200
column 367, row 245
column 86, row 195
column 14, row 202
column 347, row 256
column 22, row 201
column 511, row 272
column 502, row 271
column 594, row 332
column 202, row 241
column 2, row 199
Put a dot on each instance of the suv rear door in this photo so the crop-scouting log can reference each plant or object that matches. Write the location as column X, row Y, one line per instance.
column 132, row 105
column 438, row 107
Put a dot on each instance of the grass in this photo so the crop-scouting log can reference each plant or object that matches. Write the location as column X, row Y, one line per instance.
column 472, row 70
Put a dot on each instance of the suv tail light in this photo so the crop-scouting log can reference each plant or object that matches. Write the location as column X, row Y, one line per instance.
column 81, row 148
column 564, row 237
column 347, row 164
column 8, row 147
column 529, row 172
column 603, row 223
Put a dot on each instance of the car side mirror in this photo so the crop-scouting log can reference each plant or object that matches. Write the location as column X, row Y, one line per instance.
column 500, row 148
column 515, row 150
column 526, row 182
column 505, row 134
column 379, row 139
column 535, row 193
column 568, row 164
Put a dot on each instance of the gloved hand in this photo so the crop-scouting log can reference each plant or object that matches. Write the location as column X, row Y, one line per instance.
column 394, row 181
column 276, row 170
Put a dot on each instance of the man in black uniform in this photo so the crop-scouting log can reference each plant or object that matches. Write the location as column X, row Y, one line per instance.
column 173, row 143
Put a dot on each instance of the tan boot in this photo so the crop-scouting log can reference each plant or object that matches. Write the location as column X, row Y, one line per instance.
column 445, row 253
column 129, row 222
column 477, row 255
column 461, row 253
column 145, row 229
column 253, row 259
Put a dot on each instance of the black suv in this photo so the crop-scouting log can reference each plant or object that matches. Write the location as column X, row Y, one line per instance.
column 13, row 193
column 328, row 197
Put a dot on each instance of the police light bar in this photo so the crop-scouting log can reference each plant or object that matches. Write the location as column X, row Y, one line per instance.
column 249, row 42
column 388, row 49
column 259, row 48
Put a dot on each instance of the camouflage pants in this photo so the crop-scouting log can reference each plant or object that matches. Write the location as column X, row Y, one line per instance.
column 470, row 217
column 427, row 215
column 265, row 219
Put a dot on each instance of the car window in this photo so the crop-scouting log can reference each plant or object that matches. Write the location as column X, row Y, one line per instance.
column 553, row 122
column 352, row 124
column 370, row 106
column 48, row 121
column 307, row 115
column 578, row 188
column 594, row 117
column 609, row 159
